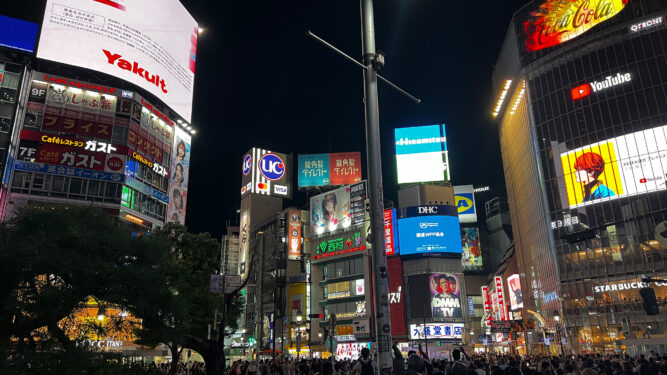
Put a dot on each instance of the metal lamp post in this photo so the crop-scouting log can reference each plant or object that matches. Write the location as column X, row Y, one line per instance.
column 558, row 333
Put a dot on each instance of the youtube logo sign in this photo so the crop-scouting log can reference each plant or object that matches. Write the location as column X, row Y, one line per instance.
column 581, row 91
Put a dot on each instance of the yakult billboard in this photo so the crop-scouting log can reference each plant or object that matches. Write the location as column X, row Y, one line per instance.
column 150, row 44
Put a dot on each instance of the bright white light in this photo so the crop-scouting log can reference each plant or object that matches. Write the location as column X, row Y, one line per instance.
column 200, row 30
column 501, row 99
column 179, row 121
column 100, row 317
column 74, row 89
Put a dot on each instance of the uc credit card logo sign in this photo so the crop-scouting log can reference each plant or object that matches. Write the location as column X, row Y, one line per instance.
column 464, row 203
column 247, row 164
column 272, row 167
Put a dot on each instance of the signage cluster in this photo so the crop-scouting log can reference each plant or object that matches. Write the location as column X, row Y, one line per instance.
column 329, row 169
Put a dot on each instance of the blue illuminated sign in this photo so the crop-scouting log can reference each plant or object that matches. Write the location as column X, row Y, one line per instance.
column 429, row 230
column 68, row 171
column 314, row 170
column 17, row 34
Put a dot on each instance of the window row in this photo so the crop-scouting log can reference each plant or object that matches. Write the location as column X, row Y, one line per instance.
column 65, row 187
column 143, row 203
column 343, row 267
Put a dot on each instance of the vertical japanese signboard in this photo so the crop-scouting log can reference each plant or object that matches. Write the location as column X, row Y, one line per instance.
column 390, row 232
column 396, row 301
column 294, row 247
column 501, row 300
column 487, row 304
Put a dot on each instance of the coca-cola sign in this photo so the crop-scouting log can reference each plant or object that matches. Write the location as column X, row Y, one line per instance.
column 557, row 21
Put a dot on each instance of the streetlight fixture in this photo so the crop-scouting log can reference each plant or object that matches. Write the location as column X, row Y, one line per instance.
column 558, row 333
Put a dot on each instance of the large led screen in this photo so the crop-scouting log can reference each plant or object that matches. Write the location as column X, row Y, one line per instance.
column 464, row 196
column 429, row 230
column 338, row 209
column 421, row 154
column 516, row 295
column 17, row 34
column 472, row 250
column 150, row 44
column 445, row 295
column 329, row 169
column 631, row 164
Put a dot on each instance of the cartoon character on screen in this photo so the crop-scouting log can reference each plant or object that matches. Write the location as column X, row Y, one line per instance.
column 329, row 210
column 590, row 166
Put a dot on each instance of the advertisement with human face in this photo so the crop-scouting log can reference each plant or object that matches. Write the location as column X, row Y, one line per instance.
column 396, row 300
column 472, row 249
column 178, row 181
column 351, row 350
column 329, row 169
column 464, row 197
column 429, row 230
column 631, row 164
column 516, row 298
column 294, row 247
column 445, row 295
column 330, row 211
column 421, row 154
column 152, row 45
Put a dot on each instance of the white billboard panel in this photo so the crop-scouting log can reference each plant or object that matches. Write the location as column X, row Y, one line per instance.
column 150, row 44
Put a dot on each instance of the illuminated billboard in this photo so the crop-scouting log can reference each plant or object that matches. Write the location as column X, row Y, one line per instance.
column 516, row 296
column 429, row 230
column 464, row 196
column 17, row 34
column 329, row 169
column 266, row 173
column 391, row 232
column 421, row 154
column 436, row 331
column 178, row 181
column 557, row 21
column 472, row 250
column 445, row 295
column 152, row 46
column 631, row 164
column 347, row 242
column 338, row 209
column 396, row 300
column 295, row 228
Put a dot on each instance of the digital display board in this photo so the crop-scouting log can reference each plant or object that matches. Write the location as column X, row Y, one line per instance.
column 421, row 154
column 349, row 241
column 391, row 232
column 631, row 164
column 464, row 196
column 472, row 250
column 516, row 296
column 445, row 295
column 557, row 21
column 429, row 230
column 151, row 45
column 338, row 209
column 17, row 34
column 329, row 169
column 266, row 173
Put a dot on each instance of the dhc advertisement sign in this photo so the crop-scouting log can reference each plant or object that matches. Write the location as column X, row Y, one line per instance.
column 429, row 230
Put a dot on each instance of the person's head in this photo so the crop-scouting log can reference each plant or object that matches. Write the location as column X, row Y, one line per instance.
column 178, row 173
column 175, row 218
column 589, row 166
column 452, row 284
column 327, row 368
column 415, row 363
column 329, row 204
column 456, row 354
column 434, row 284
column 443, row 285
column 178, row 199
column 180, row 150
column 365, row 353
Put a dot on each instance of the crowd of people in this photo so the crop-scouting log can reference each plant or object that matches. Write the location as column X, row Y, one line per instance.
column 418, row 363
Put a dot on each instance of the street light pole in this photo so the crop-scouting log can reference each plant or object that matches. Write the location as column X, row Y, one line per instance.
column 375, row 190
column 558, row 333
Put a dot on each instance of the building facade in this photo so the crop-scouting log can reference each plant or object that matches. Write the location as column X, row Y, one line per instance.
column 582, row 107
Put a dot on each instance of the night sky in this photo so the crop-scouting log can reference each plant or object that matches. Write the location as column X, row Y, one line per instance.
column 261, row 82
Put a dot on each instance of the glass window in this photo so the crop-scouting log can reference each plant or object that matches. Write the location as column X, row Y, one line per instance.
column 93, row 188
column 120, row 134
column 76, row 186
column 38, row 181
column 20, row 180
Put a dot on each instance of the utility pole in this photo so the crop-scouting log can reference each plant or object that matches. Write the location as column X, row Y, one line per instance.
column 375, row 189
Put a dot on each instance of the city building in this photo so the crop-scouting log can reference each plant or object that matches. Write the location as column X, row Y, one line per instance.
column 230, row 251
column 581, row 106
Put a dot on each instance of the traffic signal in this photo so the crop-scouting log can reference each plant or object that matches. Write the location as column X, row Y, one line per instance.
column 650, row 304
column 315, row 316
column 251, row 340
column 439, row 343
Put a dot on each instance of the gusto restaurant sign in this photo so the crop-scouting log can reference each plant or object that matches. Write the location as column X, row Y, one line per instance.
column 557, row 21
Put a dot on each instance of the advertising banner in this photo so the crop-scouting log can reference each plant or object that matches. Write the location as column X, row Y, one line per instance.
column 17, row 34
column 445, row 295
column 429, row 230
column 391, row 232
column 152, row 46
column 396, row 302
column 350, row 351
column 244, row 241
column 349, row 241
column 556, row 21
column 20, row 165
column 358, row 203
column 631, row 164
column 178, row 183
column 516, row 297
column 329, row 169
column 266, row 173
column 294, row 247
column 330, row 211
column 436, row 331
column 500, row 295
column 421, row 154
column 472, row 250
column 465, row 203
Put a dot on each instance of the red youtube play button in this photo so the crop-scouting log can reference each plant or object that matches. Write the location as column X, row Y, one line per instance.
column 581, row 91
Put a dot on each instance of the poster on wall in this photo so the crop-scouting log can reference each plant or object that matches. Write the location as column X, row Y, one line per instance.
column 631, row 164
column 445, row 295
column 516, row 296
column 178, row 181
column 472, row 251
column 330, row 211
column 117, row 37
